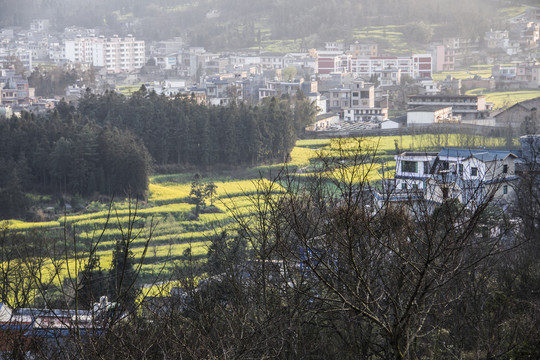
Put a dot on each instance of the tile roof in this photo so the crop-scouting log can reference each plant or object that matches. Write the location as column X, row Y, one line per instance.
column 480, row 154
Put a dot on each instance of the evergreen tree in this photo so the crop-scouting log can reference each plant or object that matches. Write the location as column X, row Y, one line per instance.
column 122, row 275
column 91, row 283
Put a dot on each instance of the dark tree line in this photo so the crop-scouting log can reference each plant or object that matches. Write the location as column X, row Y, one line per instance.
column 184, row 133
column 63, row 153
column 108, row 144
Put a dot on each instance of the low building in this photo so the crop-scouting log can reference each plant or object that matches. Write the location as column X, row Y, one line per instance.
column 515, row 115
column 464, row 106
column 469, row 176
column 473, row 175
column 14, row 90
column 324, row 122
column 413, row 169
column 430, row 114
column 363, row 50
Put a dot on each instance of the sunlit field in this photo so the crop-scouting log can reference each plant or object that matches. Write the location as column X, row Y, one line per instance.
column 505, row 99
column 165, row 218
column 484, row 71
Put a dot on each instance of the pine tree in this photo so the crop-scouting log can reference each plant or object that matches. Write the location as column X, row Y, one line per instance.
column 91, row 284
column 122, row 275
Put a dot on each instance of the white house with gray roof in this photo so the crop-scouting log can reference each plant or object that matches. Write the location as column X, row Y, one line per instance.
column 468, row 175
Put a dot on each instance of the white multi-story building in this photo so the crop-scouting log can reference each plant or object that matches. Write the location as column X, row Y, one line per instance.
column 416, row 66
column 466, row 106
column 23, row 54
column 356, row 102
column 467, row 175
column 115, row 54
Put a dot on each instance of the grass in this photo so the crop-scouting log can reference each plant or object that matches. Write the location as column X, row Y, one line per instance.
column 279, row 46
column 505, row 99
column 390, row 38
column 128, row 89
column 483, row 71
column 510, row 12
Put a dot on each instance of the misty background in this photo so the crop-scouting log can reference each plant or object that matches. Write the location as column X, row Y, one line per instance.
column 235, row 24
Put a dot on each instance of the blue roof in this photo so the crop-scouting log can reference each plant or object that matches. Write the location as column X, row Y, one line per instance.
column 480, row 154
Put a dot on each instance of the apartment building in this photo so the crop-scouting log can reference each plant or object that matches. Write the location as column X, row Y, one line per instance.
column 24, row 55
column 333, row 62
column 460, row 49
column 277, row 88
column 271, row 61
column 528, row 73
column 14, row 89
column 416, row 66
column 358, row 50
column 355, row 102
column 115, row 54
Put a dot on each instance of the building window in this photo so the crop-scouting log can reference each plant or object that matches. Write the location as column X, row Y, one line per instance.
column 505, row 189
column 505, row 169
column 460, row 169
column 426, row 167
column 403, row 186
column 445, row 193
column 474, row 171
column 409, row 166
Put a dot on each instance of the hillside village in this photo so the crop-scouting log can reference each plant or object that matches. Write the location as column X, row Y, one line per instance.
column 411, row 262
column 355, row 85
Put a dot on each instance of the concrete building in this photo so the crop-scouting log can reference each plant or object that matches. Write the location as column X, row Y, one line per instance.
column 355, row 102
column 472, row 175
column 443, row 57
column 528, row 74
column 389, row 77
column 115, row 54
column 358, row 50
column 416, row 66
column 24, row 55
column 272, row 60
column 40, row 25
column 516, row 114
column 302, row 62
column 466, row 175
column 430, row 114
column 14, row 90
column 413, row 169
column 465, row 106
column 277, row 88
column 333, row 62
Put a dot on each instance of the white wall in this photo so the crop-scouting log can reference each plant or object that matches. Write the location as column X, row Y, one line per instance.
column 420, row 117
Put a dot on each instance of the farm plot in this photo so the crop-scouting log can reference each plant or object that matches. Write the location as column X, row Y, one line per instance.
column 166, row 216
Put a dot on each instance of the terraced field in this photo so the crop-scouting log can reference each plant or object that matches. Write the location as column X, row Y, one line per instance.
column 483, row 71
column 505, row 99
column 165, row 216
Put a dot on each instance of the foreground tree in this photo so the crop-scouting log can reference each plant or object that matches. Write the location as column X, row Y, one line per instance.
column 328, row 266
column 390, row 268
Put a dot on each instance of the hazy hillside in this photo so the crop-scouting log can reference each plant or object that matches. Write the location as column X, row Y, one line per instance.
column 226, row 24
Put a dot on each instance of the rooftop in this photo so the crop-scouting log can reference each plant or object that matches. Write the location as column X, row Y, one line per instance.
column 429, row 108
column 480, row 154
